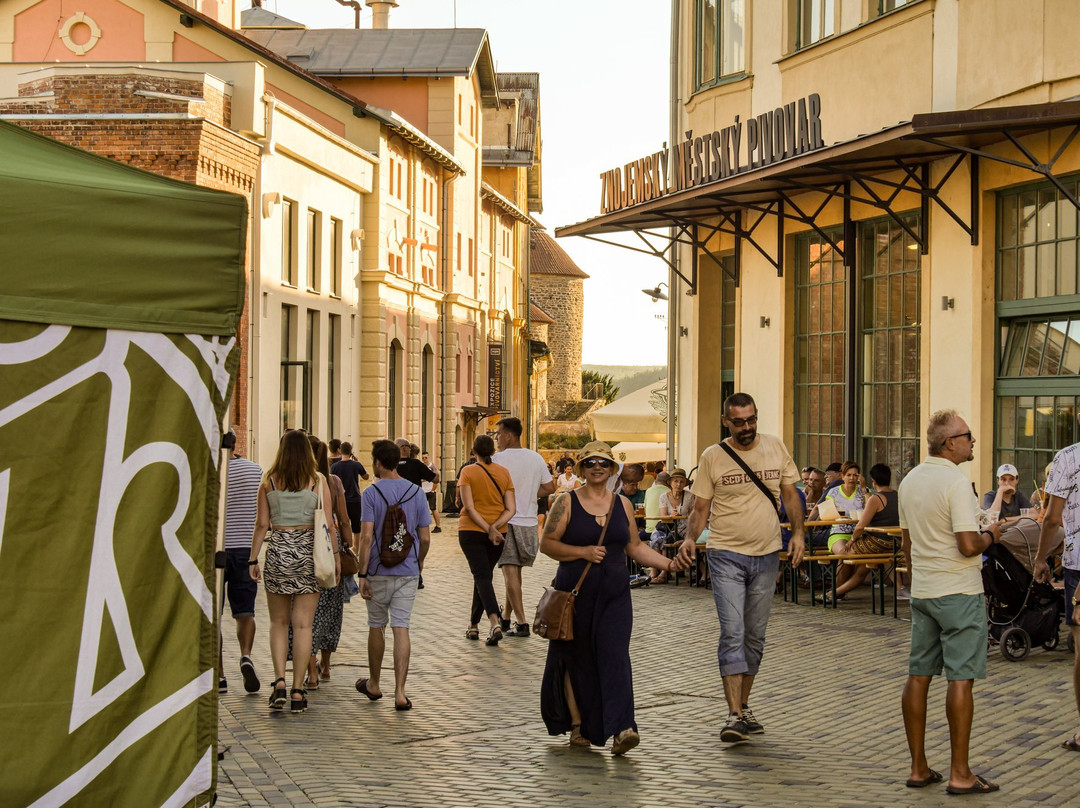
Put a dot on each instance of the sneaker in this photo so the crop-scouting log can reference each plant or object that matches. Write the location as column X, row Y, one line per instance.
column 222, row 685
column 753, row 726
column 247, row 670
column 436, row 530
column 421, row 584
column 519, row 630
column 734, row 730
column 504, row 624
column 903, row 593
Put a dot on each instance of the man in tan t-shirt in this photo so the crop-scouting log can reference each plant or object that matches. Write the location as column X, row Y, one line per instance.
column 743, row 548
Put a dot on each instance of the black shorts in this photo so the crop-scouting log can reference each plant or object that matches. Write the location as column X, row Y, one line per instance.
column 239, row 588
column 541, row 505
column 354, row 510
column 431, row 500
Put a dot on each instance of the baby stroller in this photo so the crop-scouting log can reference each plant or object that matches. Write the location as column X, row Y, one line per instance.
column 1022, row 612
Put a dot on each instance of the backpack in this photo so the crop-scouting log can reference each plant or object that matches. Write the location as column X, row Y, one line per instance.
column 396, row 542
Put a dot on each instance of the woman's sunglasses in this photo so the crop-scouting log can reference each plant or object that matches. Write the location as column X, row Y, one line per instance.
column 596, row 461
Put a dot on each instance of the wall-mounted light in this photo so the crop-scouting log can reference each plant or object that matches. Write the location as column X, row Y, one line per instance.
column 655, row 293
column 684, row 331
column 947, row 302
column 765, row 322
column 268, row 201
column 357, row 237
column 187, row 21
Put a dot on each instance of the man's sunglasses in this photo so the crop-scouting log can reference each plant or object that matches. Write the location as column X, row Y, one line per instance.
column 961, row 435
column 739, row 423
column 596, row 461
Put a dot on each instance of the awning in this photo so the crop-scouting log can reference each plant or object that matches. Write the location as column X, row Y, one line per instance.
column 631, row 418
column 106, row 245
column 639, row 451
column 480, row 413
column 859, row 170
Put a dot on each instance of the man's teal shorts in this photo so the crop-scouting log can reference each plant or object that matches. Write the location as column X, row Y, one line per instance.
column 948, row 633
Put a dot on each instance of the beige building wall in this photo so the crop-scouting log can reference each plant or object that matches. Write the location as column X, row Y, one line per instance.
column 873, row 73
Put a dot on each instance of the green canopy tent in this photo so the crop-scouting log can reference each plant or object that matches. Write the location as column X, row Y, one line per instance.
column 120, row 296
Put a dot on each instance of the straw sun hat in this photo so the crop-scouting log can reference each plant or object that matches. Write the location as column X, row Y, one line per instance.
column 596, row 448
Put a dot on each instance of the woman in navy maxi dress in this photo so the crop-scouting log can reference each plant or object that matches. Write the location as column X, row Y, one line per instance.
column 588, row 682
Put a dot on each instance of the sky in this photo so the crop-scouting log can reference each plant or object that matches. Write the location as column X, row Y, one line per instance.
column 604, row 69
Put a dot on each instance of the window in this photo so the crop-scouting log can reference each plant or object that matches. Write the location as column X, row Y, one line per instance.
column 295, row 381
column 336, row 233
column 472, row 121
column 333, row 361
column 469, row 378
column 457, row 373
column 427, row 396
column 879, row 7
column 314, row 250
column 394, row 391
column 314, row 364
column 394, row 263
column 1038, row 371
column 459, row 109
column 472, row 258
column 721, row 40
column 459, row 252
column 857, row 342
column 288, row 242
column 814, row 21
column 889, row 295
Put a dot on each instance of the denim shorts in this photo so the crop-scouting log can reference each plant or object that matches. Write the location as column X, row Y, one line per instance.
column 1072, row 580
column 743, row 588
column 239, row 588
column 948, row 632
column 392, row 599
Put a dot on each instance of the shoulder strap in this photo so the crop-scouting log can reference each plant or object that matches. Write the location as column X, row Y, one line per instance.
column 488, row 473
column 600, row 541
column 381, row 495
column 412, row 493
column 753, row 477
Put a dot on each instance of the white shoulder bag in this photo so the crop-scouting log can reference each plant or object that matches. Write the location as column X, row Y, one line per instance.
column 323, row 549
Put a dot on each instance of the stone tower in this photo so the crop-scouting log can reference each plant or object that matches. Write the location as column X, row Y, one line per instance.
column 556, row 286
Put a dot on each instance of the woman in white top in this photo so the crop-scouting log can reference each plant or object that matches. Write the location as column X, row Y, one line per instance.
column 676, row 502
column 567, row 481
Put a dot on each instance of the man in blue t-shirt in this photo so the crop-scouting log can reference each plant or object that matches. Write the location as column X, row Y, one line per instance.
column 390, row 591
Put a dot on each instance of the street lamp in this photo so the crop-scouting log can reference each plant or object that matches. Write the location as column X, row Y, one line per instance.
column 655, row 292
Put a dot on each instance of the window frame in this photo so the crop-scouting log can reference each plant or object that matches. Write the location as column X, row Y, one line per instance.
column 718, row 77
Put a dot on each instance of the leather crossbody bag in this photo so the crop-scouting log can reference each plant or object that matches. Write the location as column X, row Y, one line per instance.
column 554, row 618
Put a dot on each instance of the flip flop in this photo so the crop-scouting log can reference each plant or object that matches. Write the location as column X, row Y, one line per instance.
column 935, row 777
column 1072, row 744
column 980, row 786
column 361, row 686
column 406, row 706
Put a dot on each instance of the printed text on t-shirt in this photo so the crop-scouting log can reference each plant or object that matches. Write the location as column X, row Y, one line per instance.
column 740, row 478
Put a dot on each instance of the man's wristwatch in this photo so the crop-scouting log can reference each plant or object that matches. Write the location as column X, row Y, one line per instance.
column 361, row 575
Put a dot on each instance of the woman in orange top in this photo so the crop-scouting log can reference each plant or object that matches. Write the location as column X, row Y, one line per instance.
column 487, row 499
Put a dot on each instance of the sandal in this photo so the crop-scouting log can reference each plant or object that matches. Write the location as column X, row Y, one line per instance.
column 472, row 634
column 624, row 742
column 300, row 704
column 1072, row 744
column 278, row 696
column 310, row 685
column 576, row 738
column 495, row 635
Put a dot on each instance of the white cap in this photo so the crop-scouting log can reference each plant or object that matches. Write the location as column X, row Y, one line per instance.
column 1007, row 468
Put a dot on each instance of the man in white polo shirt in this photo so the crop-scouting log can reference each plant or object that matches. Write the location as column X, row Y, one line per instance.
column 944, row 547
column 1063, row 488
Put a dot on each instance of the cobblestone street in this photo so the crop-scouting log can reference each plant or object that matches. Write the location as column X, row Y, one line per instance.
column 828, row 694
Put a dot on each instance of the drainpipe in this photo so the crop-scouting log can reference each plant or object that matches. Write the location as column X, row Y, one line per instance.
column 674, row 291
column 446, row 425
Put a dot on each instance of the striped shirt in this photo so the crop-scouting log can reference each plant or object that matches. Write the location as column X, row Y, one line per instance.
column 241, row 502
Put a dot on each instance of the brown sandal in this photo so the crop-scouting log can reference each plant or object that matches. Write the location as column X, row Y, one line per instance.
column 576, row 738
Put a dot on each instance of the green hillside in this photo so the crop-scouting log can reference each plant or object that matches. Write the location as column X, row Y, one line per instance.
column 629, row 378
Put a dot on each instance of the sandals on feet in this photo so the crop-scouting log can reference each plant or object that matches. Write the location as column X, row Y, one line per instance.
column 935, row 777
column 278, row 696
column 300, row 704
column 472, row 634
column 624, row 742
column 495, row 635
column 1072, row 744
column 576, row 738
column 361, row 686
column 980, row 786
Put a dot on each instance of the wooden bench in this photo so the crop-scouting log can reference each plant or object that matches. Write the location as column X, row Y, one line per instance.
column 878, row 563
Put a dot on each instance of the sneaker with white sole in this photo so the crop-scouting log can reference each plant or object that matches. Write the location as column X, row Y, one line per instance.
column 903, row 593
column 518, row 630
column 753, row 726
column 735, row 730
column 251, row 679
column 222, row 685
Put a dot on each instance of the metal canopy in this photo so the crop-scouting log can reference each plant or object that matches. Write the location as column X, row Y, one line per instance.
column 860, row 170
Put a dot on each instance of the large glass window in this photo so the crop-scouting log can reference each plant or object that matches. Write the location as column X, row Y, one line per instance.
column 427, row 398
column 721, row 40
column 814, row 20
column 333, row 361
column 295, row 380
column 1038, row 372
column 314, row 250
column 336, row 234
column 288, row 242
column 394, row 391
column 889, row 297
column 820, row 348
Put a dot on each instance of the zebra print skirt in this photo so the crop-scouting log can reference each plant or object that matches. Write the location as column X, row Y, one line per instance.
column 290, row 563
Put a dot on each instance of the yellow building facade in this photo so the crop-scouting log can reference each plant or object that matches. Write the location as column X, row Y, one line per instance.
column 875, row 209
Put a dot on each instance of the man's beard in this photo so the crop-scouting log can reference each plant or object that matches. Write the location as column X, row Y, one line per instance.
column 745, row 438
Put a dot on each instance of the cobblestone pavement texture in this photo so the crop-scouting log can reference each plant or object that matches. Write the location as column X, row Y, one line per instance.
column 828, row 694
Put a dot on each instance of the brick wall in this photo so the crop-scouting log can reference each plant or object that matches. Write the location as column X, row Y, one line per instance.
column 564, row 299
column 197, row 149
